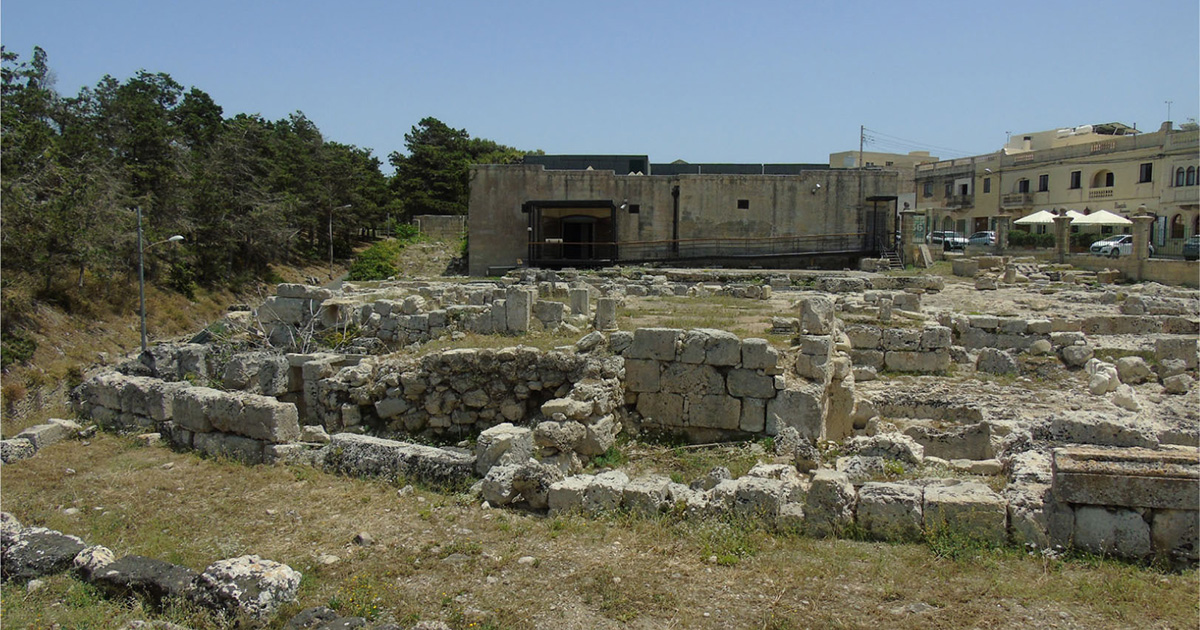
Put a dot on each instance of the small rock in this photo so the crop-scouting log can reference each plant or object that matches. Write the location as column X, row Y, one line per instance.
column 328, row 559
column 34, row 586
column 405, row 491
column 70, row 511
column 1178, row 384
column 363, row 539
column 526, row 560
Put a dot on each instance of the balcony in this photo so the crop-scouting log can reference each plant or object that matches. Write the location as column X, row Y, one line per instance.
column 1013, row 201
column 960, row 202
column 1100, row 193
column 1181, row 195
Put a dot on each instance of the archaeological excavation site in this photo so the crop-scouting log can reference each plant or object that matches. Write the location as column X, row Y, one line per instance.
column 1015, row 408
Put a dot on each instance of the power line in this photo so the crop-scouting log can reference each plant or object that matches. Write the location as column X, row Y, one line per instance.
column 883, row 139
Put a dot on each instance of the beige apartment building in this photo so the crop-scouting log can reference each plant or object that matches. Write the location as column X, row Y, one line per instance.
column 1088, row 168
column 902, row 163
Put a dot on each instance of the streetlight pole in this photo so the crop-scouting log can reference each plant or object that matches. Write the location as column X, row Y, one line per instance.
column 142, row 271
column 331, row 237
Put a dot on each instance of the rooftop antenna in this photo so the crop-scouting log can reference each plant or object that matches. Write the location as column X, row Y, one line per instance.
column 1168, row 109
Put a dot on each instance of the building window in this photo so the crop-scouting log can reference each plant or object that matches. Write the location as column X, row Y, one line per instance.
column 889, row 163
column 635, row 208
column 1177, row 226
column 743, row 204
column 987, row 185
column 1023, row 186
column 949, row 189
column 1106, row 229
column 1043, row 183
column 927, row 190
column 1191, row 176
column 964, row 189
column 1179, row 177
column 1102, row 179
column 1146, row 173
column 1076, row 178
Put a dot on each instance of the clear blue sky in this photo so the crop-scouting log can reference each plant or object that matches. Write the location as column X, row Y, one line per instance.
column 770, row 81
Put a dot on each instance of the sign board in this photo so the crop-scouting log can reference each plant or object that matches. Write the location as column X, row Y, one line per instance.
column 918, row 229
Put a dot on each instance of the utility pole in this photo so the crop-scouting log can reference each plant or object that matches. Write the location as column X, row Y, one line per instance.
column 1168, row 109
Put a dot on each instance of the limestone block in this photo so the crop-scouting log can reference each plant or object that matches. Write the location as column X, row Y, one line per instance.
column 533, row 481
column 569, row 408
column 1120, row 532
column 758, row 354
column 964, row 267
column 752, row 497
column 894, row 446
column 16, row 449
column 969, row 508
column 890, row 511
column 285, row 310
column 692, row 346
column 654, row 343
column 579, row 302
column 816, row 315
column 864, row 336
column 754, row 415
column 35, row 552
column 248, row 586
column 1039, row 327
column 605, row 492
column 1174, row 535
column 160, row 399
column 1076, row 355
column 935, row 338
column 646, row 495
column 52, row 432
column 291, row 454
column 829, row 506
column 965, row 442
column 502, row 444
column 1178, row 384
column 549, row 313
column 364, row 455
column 567, row 495
column 257, row 373
column 721, row 347
column 193, row 407
column 686, row 378
column 497, row 488
column 1133, row 370
column 235, row 447
column 907, row 302
column 387, row 408
column 749, row 383
column 642, row 375
column 906, row 361
column 799, row 407
column 901, row 339
column 1182, row 348
column 264, row 418
column 1029, row 513
column 717, row 411
column 518, row 309
column 993, row 361
column 606, row 314
column 561, row 436
column 1166, row 478
column 872, row 359
column 599, row 436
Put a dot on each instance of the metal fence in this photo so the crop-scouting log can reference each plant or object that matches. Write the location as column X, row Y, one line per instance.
column 698, row 249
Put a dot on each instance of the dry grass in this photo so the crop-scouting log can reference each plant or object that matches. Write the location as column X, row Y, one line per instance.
column 442, row 557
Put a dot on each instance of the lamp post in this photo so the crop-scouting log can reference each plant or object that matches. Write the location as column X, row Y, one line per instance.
column 331, row 237
column 142, row 272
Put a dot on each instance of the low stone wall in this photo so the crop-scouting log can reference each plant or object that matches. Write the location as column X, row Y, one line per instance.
column 247, row 427
column 1175, row 272
column 922, row 350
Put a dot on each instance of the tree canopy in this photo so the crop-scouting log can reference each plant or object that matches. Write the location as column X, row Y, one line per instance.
column 245, row 192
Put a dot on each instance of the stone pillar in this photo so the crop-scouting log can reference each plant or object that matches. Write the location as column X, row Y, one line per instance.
column 1062, row 238
column 606, row 314
column 519, row 308
column 1141, row 242
column 579, row 302
column 1002, row 225
column 908, row 251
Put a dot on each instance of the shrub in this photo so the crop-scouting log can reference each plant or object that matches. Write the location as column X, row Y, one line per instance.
column 377, row 262
column 15, row 347
column 1021, row 238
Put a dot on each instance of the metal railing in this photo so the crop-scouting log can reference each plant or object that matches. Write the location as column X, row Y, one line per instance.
column 697, row 249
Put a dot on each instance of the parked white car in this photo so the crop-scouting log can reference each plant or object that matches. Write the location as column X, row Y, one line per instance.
column 1116, row 246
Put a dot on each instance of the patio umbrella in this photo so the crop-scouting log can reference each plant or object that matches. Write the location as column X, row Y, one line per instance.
column 1102, row 217
column 1046, row 217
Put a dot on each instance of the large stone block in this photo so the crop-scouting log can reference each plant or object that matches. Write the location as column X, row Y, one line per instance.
column 1175, row 535
column 36, row 551
column 642, row 375
column 686, row 378
column 758, row 354
column 248, row 586
column 225, row 445
column 891, row 511
column 654, row 343
column 518, row 310
column 816, row 315
column 798, row 406
column 567, row 495
column 1113, row 531
column 605, row 492
column 717, row 411
column 754, row 415
column 364, row 455
column 829, row 505
column 265, row 418
column 646, row 495
column 662, row 409
column 864, row 336
column 1181, row 348
column 745, row 382
column 905, row 361
column 752, row 497
column 968, row 508
column 502, row 444
column 1166, row 478
column 194, row 406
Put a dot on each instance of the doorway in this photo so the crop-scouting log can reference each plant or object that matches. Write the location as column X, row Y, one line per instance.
column 579, row 237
